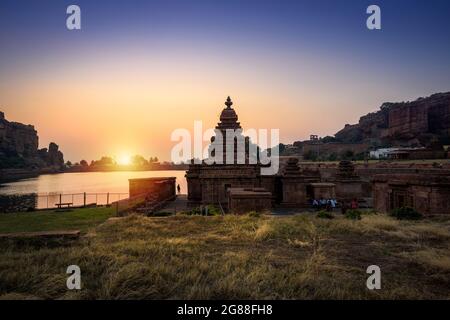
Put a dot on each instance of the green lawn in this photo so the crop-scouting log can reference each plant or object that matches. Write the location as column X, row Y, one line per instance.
column 77, row 219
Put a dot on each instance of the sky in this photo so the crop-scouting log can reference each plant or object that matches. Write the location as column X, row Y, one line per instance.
column 138, row 70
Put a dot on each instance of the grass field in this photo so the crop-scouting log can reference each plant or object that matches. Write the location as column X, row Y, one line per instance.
column 77, row 219
column 238, row 257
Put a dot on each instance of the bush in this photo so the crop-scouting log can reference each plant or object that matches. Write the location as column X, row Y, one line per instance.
column 370, row 212
column 254, row 214
column 353, row 214
column 193, row 212
column 212, row 211
column 325, row 215
column 406, row 213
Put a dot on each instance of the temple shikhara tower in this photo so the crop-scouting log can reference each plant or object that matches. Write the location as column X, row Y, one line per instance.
column 228, row 125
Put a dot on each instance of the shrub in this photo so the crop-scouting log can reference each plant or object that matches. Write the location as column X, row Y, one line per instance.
column 254, row 214
column 353, row 214
column 192, row 212
column 325, row 215
column 370, row 212
column 406, row 213
column 212, row 211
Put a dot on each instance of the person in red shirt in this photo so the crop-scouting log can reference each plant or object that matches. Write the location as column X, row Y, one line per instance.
column 354, row 204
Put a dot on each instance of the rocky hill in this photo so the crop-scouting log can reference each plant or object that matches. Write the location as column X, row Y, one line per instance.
column 19, row 148
column 423, row 122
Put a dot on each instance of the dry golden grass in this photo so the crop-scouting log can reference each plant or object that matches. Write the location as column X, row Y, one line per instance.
column 238, row 257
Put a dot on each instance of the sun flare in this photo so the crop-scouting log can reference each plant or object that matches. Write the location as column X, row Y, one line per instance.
column 124, row 160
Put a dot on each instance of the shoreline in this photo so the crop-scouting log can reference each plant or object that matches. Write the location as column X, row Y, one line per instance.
column 14, row 175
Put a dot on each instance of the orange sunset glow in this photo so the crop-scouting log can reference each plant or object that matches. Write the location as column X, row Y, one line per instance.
column 134, row 103
column 101, row 95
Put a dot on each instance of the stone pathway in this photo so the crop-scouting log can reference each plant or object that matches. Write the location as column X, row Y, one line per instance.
column 178, row 205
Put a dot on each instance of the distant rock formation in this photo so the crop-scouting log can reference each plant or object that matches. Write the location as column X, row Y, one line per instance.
column 19, row 148
column 52, row 156
column 421, row 123
column 424, row 122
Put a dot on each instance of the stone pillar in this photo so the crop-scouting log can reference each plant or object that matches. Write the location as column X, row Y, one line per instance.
column 348, row 183
column 293, row 185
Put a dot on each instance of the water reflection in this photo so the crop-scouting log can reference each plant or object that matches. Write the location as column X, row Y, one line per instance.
column 84, row 188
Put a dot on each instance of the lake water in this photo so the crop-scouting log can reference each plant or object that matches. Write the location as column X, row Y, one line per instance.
column 74, row 185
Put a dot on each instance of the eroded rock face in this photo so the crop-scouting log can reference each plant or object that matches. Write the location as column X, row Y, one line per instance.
column 418, row 123
column 52, row 157
column 17, row 138
column 19, row 148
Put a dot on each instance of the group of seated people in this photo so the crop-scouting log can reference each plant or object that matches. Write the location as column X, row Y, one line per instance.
column 331, row 204
column 322, row 203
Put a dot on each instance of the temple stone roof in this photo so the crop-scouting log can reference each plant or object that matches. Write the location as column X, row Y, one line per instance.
column 228, row 117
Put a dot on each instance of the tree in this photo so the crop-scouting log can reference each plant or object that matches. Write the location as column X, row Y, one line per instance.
column 104, row 161
column 84, row 163
column 138, row 161
column 333, row 156
column 348, row 155
column 329, row 139
column 68, row 164
column 310, row 155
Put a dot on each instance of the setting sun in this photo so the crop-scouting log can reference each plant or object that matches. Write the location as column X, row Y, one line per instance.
column 124, row 160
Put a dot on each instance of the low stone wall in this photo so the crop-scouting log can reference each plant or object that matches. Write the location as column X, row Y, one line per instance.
column 244, row 200
column 159, row 188
column 17, row 203
column 427, row 194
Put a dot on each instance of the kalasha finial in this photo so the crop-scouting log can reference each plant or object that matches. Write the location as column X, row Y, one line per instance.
column 228, row 103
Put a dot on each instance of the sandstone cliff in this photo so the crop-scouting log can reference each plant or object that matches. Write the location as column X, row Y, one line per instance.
column 19, row 148
column 423, row 122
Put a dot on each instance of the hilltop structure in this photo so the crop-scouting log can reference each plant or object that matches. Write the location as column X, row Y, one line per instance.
column 421, row 128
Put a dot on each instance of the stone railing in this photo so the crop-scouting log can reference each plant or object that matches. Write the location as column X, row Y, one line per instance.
column 17, row 203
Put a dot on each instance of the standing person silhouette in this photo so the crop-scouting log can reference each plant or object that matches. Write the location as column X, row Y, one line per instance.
column 178, row 189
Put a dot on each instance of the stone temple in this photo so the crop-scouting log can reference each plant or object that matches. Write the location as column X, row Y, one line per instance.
column 231, row 178
column 240, row 187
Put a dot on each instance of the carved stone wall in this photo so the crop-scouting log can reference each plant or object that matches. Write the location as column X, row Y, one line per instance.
column 425, row 193
column 244, row 200
column 160, row 188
